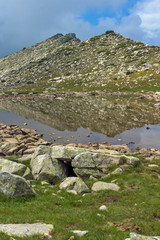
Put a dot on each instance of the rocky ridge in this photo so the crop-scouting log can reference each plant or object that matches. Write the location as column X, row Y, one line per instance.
column 108, row 62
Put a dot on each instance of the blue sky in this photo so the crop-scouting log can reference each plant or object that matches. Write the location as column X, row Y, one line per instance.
column 26, row 22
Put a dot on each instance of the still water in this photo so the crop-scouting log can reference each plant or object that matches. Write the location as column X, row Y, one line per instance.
column 112, row 119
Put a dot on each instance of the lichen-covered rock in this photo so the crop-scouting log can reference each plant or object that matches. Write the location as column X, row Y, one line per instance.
column 131, row 161
column 46, row 168
column 96, row 163
column 87, row 172
column 13, row 185
column 117, row 171
column 15, row 168
column 26, row 229
column 57, row 162
column 84, row 160
column 135, row 236
column 98, row 186
column 41, row 150
column 74, row 183
column 65, row 153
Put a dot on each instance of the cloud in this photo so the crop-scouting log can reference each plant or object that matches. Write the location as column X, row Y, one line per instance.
column 149, row 12
column 141, row 24
column 26, row 22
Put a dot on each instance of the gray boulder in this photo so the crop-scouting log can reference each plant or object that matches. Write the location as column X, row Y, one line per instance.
column 46, row 168
column 65, row 153
column 135, row 236
column 75, row 184
column 96, row 164
column 98, row 186
column 22, row 230
column 58, row 162
column 13, row 185
column 15, row 168
column 41, row 150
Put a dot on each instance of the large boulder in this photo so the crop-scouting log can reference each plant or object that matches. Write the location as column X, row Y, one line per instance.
column 74, row 183
column 98, row 186
column 15, row 168
column 58, row 162
column 46, row 168
column 65, row 153
column 96, row 164
column 135, row 236
column 13, row 185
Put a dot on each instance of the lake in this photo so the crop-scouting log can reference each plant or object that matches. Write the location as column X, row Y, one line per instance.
column 113, row 119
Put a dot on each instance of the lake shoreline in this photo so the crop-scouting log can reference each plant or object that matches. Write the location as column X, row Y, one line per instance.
column 22, row 142
column 147, row 95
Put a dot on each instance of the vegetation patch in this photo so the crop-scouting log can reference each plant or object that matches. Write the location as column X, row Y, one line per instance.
column 135, row 208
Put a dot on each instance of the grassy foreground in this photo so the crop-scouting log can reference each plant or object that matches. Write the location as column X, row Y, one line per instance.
column 135, row 208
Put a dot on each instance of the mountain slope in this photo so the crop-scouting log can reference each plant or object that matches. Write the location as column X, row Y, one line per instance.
column 108, row 62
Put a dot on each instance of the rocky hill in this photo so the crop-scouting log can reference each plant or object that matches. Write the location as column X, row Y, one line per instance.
column 108, row 62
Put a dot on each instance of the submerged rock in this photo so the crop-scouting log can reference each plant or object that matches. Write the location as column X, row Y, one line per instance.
column 13, row 185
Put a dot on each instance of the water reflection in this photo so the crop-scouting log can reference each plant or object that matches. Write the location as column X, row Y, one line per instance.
column 111, row 116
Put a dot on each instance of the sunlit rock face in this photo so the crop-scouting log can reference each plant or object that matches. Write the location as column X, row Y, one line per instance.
column 108, row 62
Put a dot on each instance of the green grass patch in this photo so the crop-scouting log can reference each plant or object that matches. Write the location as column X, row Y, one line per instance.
column 135, row 208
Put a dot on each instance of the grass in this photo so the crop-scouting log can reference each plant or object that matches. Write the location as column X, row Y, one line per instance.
column 135, row 208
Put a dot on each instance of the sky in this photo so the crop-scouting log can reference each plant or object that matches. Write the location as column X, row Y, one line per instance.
column 24, row 23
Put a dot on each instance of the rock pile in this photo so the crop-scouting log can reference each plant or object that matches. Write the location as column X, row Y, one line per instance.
column 58, row 162
column 19, row 141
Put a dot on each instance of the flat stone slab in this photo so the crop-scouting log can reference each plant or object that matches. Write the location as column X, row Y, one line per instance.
column 135, row 236
column 22, row 230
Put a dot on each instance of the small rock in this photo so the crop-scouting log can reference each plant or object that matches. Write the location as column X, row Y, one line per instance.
column 79, row 233
column 117, row 171
column 92, row 178
column 103, row 208
column 43, row 183
column 98, row 186
column 59, row 137
column 72, row 191
column 99, row 215
column 152, row 165
column 46, row 190
column 135, row 236
column 71, row 238
column 74, row 183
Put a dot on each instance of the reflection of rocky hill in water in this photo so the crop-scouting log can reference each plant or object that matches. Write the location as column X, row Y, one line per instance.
column 109, row 115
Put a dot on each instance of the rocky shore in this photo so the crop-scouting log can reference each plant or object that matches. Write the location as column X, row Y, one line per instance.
column 23, row 142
